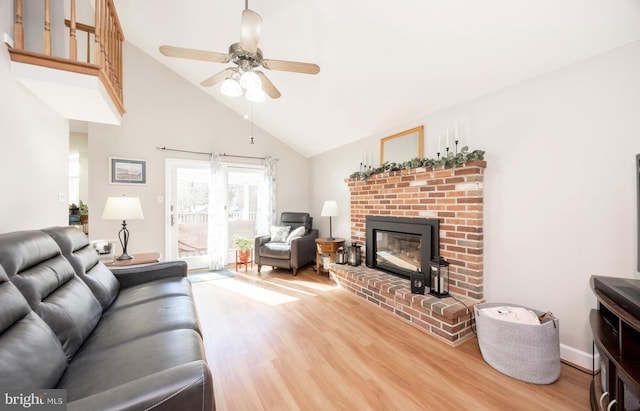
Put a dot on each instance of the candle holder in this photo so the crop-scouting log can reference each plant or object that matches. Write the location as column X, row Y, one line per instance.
column 447, row 151
column 456, row 146
column 438, row 153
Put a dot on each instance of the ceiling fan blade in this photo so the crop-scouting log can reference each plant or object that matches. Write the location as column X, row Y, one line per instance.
column 268, row 86
column 250, row 30
column 192, row 54
column 294, row 66
column 218, row 77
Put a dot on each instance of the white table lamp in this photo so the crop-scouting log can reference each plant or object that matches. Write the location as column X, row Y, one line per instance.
column 123, row 208
column 330, row 209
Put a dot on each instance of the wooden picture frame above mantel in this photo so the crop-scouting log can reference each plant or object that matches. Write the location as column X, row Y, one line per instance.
column 403, row 146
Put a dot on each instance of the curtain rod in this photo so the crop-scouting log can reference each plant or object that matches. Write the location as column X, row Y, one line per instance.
column 183, row 151
column 210, row 154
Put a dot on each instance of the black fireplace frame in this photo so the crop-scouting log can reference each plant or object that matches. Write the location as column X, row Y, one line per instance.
column 427, row 228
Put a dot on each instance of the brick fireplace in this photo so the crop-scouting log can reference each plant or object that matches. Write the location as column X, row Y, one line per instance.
column 454, row 196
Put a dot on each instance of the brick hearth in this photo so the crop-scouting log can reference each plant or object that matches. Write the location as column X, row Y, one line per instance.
column 445, row 318
column 454, row 195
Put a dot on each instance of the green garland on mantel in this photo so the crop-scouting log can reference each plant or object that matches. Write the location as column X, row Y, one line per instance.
column 455, row 160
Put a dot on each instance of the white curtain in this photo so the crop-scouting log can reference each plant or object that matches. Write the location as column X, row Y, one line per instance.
column 217, row 236
column 267, row 198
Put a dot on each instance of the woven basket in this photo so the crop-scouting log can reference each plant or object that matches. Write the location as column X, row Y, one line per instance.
column 530, row 353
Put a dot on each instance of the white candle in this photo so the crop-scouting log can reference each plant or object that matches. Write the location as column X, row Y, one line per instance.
column 456, row 131
column 370, row 162
column 439, row 141
column 447, row 138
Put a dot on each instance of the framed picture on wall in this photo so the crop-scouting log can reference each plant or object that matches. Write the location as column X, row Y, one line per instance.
column 127, row 171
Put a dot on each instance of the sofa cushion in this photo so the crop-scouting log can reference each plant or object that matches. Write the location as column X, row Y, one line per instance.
column 75, row 246
column 165, row 313
column 295, row 233
column 279, row 233
column 30, row 354
column 281, row 251
column 93, row 371
column 183, row 387
column 163, row 287
column 34, row 263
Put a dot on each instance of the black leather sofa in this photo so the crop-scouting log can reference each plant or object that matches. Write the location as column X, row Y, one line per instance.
column 294, row 255
column 114, row 340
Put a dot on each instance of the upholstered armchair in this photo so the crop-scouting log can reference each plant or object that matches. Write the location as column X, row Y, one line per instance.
column 290, row 245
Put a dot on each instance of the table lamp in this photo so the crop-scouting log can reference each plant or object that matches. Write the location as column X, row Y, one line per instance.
column 123, row 208
column 330, row 209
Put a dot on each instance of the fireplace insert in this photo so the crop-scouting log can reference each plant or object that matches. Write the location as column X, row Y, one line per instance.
column 401, row 245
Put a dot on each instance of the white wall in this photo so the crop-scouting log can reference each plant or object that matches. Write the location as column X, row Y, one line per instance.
column 560, row 184
column 165, row 110
column 34, row 143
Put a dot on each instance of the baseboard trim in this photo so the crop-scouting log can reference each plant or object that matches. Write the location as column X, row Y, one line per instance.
column 579, row 359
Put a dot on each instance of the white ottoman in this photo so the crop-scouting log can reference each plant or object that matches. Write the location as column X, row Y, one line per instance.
column 517, row 348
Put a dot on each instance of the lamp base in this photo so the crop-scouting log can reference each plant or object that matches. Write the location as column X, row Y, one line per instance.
column 123, row 236
column 124, row 256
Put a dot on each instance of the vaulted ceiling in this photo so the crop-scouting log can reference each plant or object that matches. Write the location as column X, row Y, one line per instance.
column 382, row 63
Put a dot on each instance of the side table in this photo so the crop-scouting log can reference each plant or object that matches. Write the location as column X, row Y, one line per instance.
column 326, row 246
column 142, row 258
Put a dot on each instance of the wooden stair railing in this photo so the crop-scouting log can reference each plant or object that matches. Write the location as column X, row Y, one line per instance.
column 107, row 38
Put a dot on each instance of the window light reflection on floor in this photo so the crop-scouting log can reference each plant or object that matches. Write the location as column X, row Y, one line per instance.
column 256, row 293
column 309, row 285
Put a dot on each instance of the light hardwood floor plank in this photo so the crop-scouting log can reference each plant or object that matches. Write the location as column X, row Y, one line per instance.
column 279, row 342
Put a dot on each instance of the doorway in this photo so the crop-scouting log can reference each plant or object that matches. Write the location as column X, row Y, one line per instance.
column 187, row 211
column 188, row 222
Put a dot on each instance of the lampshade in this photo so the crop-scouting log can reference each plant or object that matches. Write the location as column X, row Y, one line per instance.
column 330, row 209
column 122, row 208
column 231, row 88
column 250, row 81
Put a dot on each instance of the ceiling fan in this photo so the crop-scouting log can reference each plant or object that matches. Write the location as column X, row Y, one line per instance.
column 247, row 57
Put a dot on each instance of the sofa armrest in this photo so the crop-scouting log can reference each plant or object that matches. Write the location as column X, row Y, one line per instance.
column 263, row 239
column 259, row 241
column 130, row 276
column 303, row 249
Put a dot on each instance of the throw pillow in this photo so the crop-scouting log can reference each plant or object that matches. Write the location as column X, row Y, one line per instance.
column 297, row 233
column 279, row 233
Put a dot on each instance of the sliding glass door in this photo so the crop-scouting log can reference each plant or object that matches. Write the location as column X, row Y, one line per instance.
column 187, row 211
column 188, row 220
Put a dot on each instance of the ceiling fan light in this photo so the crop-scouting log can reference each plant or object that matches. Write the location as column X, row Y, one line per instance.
column 231, row 88
column 256, row 95
column 250, row 81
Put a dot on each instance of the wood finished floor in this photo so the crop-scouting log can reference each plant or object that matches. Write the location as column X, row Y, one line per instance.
column 278, row 342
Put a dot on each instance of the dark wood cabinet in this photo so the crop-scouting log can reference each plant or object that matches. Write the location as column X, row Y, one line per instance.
column 616, row 336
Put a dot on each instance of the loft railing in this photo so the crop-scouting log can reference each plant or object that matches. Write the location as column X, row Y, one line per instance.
column 107, row 45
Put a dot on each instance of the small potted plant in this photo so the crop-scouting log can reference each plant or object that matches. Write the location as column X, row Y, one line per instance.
column 244, row 245
column 84, row 212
